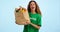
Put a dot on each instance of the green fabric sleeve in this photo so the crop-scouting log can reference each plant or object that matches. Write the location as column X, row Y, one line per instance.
column 39, row 20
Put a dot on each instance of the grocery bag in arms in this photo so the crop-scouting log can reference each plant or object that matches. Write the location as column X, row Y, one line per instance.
column 21, row 16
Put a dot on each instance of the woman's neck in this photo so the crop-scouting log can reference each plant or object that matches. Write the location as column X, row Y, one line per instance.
column 33, row 12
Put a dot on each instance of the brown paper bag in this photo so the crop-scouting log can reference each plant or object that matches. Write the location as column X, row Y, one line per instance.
column 21, row 16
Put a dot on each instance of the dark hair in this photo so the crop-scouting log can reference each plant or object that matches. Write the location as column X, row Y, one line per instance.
column 37, row 10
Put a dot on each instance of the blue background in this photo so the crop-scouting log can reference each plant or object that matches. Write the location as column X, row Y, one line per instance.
column 50, row 15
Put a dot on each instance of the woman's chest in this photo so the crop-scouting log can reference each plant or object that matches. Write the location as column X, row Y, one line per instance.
column 33, row 19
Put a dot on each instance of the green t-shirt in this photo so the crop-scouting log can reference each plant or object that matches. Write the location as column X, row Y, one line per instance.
column 35, row 19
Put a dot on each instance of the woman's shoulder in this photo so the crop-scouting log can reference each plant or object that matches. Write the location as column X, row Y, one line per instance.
column 39, row 15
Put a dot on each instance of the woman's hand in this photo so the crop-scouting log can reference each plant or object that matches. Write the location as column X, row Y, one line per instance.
column 28, row 22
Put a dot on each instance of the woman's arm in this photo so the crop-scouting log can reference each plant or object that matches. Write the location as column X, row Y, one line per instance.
column 36, row 26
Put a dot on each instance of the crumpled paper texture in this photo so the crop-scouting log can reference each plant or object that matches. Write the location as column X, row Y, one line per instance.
column 21, row 16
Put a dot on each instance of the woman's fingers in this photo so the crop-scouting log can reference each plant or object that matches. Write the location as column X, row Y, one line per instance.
column 28, row 22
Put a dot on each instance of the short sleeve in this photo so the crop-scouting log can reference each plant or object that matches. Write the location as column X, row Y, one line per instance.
column 39, row 18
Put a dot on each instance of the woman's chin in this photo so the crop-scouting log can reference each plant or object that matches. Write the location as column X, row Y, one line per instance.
column 33, row 9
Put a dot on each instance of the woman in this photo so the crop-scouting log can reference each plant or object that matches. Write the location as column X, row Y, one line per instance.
column 35, row 18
